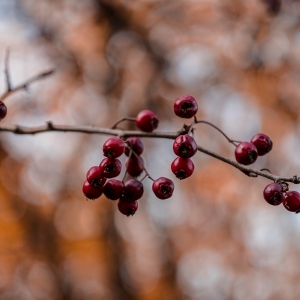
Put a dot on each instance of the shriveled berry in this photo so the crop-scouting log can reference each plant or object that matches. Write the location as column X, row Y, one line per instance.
column 136, row 145
column 262, row 143
column 134, row 165
column 110, row 167
column 291, row 201
column 273, row 193
column 182, row 167
column 91, row 192
column 94, row 177
column 185, row 107
column 185, row 146
column 245, row 153
column 113, row 189
column 147, row 120
column 163, row 188
column 128, row 208
column 133, row 190
column 113, row 147
column 3, row 110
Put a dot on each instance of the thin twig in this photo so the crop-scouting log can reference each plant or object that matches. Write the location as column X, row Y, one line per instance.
column 23, row 85
column 6, row 71
column 48, row 127
column 122, row 120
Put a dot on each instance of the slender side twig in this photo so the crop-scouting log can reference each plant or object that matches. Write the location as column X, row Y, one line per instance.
column 24, row 85
column 49, row 126
column 122, row 120
column 6, row 71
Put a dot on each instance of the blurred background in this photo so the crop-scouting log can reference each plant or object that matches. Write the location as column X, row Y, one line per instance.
column 216, row 238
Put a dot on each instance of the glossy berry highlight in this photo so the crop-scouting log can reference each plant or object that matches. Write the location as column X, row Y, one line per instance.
column 94, row 177
column 147, row 121
column 291, row 201
column 273, row 194
column 113, row 189
column 128, row 208
column 110, row 167
column 91, row 192
column 182, row 167
column 135, row 144
column 113, row 147
column 245, row 153
column 262, row 143
column 163, row 188
column 185, row 107
column 185, row 146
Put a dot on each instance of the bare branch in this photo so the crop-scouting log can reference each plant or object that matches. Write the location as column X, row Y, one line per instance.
column 6, row 71
column 49, row 126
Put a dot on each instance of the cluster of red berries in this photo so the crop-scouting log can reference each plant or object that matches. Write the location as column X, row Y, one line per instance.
column 99, row 178
column 277, row 193
column 3, row 110
column 247, row 153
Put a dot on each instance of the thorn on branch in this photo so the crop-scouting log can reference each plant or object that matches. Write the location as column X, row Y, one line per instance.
column 50, row 125
column 296, row 179
column 249, row 173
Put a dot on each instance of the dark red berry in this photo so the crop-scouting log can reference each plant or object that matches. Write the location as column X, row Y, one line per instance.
column 94, row 177
column 246, row 153
column 113, row 189
column 182, row 167
column 3, row 110
column 273, row 194
column 128, row 208
column 291, row 201
column 146, row 120
column 110, row 167
column 262, row 143
column 133, row 190
column 136, row 144
column 163, row 188
column 185, row 107
column 91, row 192
column 273, row 6
column 134, row 165
column 185, row 146
column 113, row 147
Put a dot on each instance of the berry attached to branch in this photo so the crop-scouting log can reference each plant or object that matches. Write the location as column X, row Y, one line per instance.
column 262, row 143
column 185, row 107
column 246, row 153
column 147, row 121
column 163, row 188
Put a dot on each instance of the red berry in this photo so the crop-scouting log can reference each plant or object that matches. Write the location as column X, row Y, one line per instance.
column 182, row 167
column 113, row 147
column 246, row 153
column 3, row 110
column 91, row 192
column 147, row 120
column 94, row 177
column 262, row 143
column 128, row 208
column 134, row 165
column 110, row 167
column 291, row 201
column 113, row 189
column 185, row 107
column 136, row 144
column 273, row 193
column 184, row 146
column 133, row 190
column 163, row 188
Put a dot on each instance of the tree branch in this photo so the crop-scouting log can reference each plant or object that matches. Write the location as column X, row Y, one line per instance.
column 49, row 126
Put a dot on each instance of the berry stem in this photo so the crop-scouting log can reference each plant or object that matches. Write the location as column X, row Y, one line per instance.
column 122, row 120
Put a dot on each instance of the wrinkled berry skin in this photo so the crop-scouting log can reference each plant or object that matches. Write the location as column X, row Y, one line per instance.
column 246, row 153
column 147, row 121
column 133, row 190
column 291, row 201
column 113, row 147
column 94, row 177
column 134, row 165
column 110, row 167
column 113, row 189
column 128, row 208
column 3, row 110
column 136, row 144
column 182, row 167
column 262, row 143
column 273, row 194
column 185, row 107
column 185, row 146
column 163, row 188
column 91, row 192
